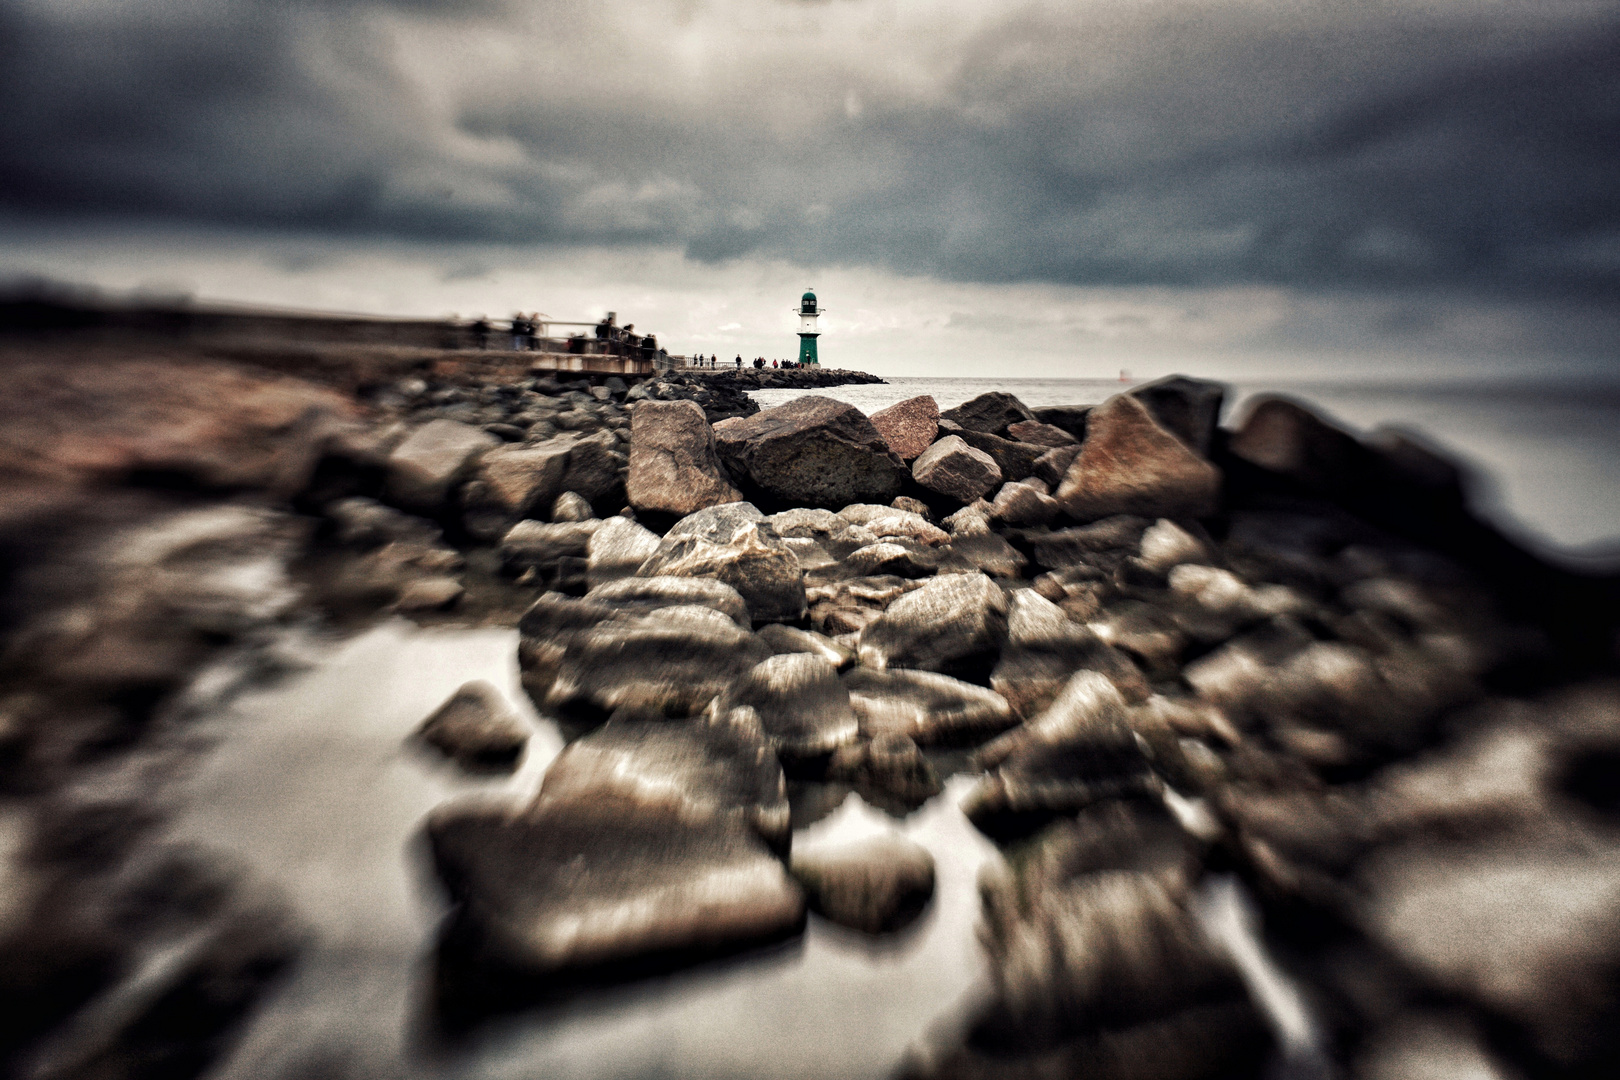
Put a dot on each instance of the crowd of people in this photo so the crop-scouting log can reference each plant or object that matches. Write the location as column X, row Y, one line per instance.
column 712, row 361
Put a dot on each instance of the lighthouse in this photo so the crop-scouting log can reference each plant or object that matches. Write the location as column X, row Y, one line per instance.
column 808, row 311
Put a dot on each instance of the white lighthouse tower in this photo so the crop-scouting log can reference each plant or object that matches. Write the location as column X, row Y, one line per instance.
column 808, row 313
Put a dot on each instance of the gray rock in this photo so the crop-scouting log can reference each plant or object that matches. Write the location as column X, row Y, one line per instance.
column 991, row 413
column 638, row 595
column 711, row 772
column 801, row 705
column 717, row 524
column 1130, row 465
column 951, row 622
column 974, row 544
column 1040, row 434
column 434, row 593
column 913, row 506
column 367, row 522
column 573, row 886
column 571, row 506
column 1187, row 408
column 1045, row 648
column 594, row 466
column 1021, row 504
column 888, row 523
column 543, row 544
column 671, row 661
column 1016, row 460
column 1052, row 466
column 890, row 772
column 476, row 728
column 814, row 524
column 955, row 469
column 813, row 451
column 1069, row 418
column 787, row 639
column 755, row 562
column 427, row 465
column 674, row 467
column 1102, row 545
column 888, row 558
column 925, row 707
column 874, row 886
column 617, row 550
column 1166, row 545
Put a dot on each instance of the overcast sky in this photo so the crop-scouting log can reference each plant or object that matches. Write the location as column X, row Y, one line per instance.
column 1355, row 186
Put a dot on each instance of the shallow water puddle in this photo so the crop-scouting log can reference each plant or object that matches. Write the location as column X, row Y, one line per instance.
column 313, row 788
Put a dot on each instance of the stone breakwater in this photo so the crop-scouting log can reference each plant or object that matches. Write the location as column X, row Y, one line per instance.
column 1179, row 662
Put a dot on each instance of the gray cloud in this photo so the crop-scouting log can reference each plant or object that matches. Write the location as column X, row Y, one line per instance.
column 1356, row 144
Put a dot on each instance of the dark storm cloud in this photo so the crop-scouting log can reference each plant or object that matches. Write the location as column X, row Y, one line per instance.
column 1337, row 144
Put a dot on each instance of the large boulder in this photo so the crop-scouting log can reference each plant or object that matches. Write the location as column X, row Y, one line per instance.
column 671, row 661
column 1187, row 408
column 426, row 466
column 639, row 595
column 595, row 470
column 617, row 549
column 716, row 524
column 813, row 451
column 874, row 885
column 674, row 467
column 925, row 707
column 957, row 621
column 954, row 469
column 1051, row 467
column 1070, row 418
column 753, row 560
column 992, row 413
column 1016, row 460
column 801, row 705
column 518, row 480
column 909, row 426
column 1129, row 464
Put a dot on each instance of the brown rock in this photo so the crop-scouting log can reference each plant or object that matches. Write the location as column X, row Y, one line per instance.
column 674, row 467
column 521, row 479
column 952, row 467
column 909, row 426
column 1033, row 431
column 813, row 451
column 477, row 728
column 990, row 413
column 1130, row 465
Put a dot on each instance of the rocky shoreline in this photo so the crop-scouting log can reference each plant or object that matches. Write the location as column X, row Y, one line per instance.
column 1266, row 692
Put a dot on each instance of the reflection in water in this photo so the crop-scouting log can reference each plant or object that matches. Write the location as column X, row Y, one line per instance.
column 318, row 791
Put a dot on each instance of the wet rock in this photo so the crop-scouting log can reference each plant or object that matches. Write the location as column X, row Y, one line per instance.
column 801, row 705
column 754, row 561
column 429, row 594
column 704, row 772
column 576, row 886
column 1020, row 504
column 639, row 595
column 787, row 639
column 909, row 426
column 426, row 466
column 889, row 558
column 953, row 622
column 813, row 451
column 1187, row 408
column 617, row 549
column 672, row 661
column 991, row 413
column 476, row 728
column 955, row 469
column 1016, row 460
column 1052, row 466
column 543, row 544
column 874, row 886
column 1080, row 751
column 889, row 772
column 571, row 506
column 674, row 467
column 1037, row 433
column 520, row 482
column 1101, row 546
column 1045, row 648
column 1130, row 465
column 925, row 707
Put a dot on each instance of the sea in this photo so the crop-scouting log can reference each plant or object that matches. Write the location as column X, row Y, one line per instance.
column 311, row 790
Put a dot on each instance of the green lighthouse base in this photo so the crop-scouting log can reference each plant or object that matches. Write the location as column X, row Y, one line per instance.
column 807, row 349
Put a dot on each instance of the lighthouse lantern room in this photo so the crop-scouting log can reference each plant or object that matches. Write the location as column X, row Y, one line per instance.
column 808, row 312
